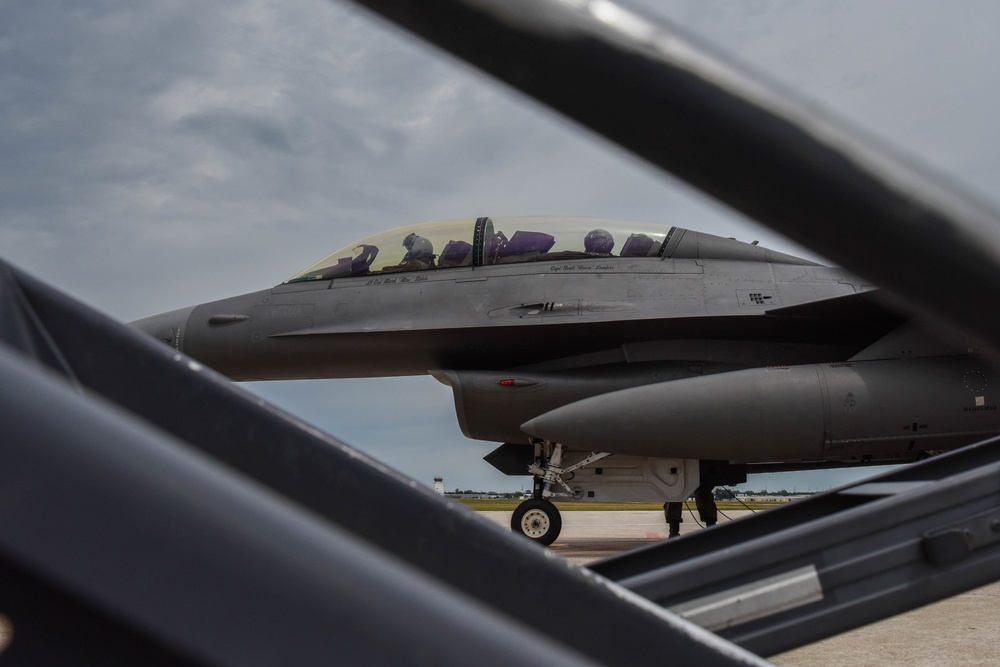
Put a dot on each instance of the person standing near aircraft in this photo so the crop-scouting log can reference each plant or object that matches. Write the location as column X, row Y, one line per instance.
column 704, row 500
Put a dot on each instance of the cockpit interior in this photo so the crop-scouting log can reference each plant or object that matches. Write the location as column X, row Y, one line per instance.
column 487, row 241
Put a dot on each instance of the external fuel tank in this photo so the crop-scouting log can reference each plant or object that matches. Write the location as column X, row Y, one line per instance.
column 838, row 411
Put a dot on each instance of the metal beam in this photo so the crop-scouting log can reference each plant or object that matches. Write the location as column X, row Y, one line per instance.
column 836, row 561
column 741, row 139
column 215, row 527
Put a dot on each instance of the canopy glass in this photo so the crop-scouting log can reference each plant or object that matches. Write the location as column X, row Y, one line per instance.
column 484, row 241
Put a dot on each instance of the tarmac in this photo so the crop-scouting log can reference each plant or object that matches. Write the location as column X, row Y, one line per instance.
column 963, row 630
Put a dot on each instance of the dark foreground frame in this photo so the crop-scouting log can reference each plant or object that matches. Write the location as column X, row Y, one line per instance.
column 151, row 512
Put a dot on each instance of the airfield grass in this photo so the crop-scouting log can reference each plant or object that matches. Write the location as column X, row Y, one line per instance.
column 504, row 505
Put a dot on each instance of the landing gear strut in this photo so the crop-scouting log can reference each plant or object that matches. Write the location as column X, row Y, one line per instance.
column 538, row 519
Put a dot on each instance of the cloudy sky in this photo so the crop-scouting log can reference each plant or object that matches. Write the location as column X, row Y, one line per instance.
column 159, row 154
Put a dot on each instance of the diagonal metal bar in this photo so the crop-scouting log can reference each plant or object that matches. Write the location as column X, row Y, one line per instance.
column 154, row 463
column 836, row 561
column 739, row 138
column 208, row 564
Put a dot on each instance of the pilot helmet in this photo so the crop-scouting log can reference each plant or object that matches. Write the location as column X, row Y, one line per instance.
column 408, row 241
column 598, row 241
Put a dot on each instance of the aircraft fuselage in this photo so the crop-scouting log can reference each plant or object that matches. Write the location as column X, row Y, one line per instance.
column 510, row 316
column 671, row 348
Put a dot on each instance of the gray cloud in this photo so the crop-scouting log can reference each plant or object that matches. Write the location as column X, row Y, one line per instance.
column 238, row 133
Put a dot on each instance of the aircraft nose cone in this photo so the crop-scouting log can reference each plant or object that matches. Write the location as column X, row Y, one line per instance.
column 166, row 327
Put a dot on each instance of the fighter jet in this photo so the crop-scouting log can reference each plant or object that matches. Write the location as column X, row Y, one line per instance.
column 613, row 360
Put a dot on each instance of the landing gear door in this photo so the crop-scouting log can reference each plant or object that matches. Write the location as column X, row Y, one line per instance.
column 633, row 479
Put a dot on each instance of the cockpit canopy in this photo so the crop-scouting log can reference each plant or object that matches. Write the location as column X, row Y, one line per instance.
column 487, row 241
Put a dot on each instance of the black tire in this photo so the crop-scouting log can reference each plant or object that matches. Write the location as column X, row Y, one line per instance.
column 538, row 520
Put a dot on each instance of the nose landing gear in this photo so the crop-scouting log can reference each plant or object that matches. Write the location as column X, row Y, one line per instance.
column 537, row 518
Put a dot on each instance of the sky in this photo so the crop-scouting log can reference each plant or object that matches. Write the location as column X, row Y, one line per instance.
column 153, row 157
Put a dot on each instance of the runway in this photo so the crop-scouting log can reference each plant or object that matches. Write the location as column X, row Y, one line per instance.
column 963, row 630
column 589, row 536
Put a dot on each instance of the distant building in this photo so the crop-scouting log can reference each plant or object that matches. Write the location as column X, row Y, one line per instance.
column 439, row 485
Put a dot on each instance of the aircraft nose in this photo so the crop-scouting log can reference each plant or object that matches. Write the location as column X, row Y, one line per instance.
column 166, row 327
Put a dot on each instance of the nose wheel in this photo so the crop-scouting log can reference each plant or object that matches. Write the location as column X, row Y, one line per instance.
column 538, row 520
